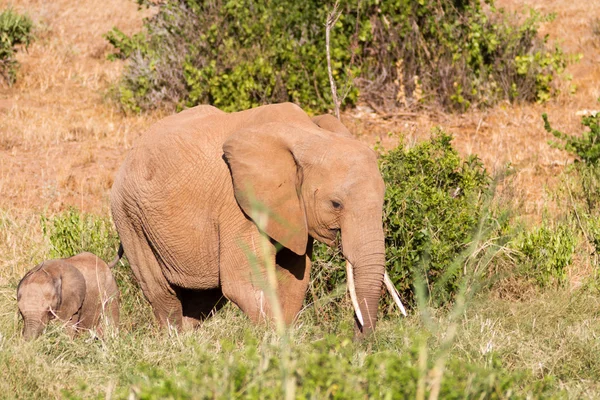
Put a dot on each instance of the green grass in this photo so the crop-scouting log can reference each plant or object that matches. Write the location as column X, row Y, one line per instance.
column 228, row 357
column 543, row 345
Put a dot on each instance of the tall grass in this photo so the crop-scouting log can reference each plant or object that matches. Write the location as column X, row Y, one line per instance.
column 485, row 346
column 230, row 358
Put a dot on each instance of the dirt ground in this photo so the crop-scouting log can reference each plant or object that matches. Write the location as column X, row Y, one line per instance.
column 61, row 139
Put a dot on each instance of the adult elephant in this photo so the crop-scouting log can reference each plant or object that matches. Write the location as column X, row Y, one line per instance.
column 184, row 201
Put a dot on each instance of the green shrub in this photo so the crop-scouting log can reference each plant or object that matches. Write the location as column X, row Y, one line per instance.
column 239, row 54
column 15, row 30
column 586, row 148
column 234, row 55
column 433, row 206
column 459, row 53
column 545, row 252
column 72, row 232
column 434, row 203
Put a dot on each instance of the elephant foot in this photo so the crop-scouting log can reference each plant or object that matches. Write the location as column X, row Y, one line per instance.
column 190, row 323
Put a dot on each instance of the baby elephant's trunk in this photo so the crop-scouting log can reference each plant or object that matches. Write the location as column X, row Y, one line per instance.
column 33, row 328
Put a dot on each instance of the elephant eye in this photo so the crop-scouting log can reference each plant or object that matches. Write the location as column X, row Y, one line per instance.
column 336, row 205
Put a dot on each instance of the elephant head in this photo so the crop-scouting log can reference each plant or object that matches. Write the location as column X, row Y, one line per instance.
column 52, row 289
column 316, row 183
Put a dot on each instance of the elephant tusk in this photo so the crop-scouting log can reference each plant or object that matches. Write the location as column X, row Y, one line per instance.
column 394, row 292
column 352, row 290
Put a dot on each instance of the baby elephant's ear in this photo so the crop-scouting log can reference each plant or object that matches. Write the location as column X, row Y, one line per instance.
column 266, row 182
column 71, row 289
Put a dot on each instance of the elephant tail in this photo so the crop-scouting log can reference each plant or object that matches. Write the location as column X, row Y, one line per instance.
column 117, row 258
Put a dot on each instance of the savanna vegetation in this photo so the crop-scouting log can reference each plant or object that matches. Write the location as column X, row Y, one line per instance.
column 15, row 31
column 452, row 54
column 492, row 217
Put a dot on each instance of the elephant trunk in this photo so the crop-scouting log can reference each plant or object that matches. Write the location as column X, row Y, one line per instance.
column 365, row 251
column 32, row 328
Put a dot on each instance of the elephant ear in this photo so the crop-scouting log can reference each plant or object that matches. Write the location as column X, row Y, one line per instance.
column 266, row 182
column 71, row 288
column 332, row 124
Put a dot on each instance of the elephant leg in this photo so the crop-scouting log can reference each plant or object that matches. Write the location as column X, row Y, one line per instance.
column 73, row 325
column 293, row 273
column 90, row 312
column 109, row 314
column 157, row 290
column 238, row 274
column 238, row 288
column 113, row 312
column 161, row 296
column 240, row 283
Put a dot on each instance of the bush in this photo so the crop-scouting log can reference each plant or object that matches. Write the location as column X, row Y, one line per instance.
column 73, row 232
column 434, row 203
column 586, row 148
column 236, row 55
column 544, row 253
column 433, row 206
column 459, row 53
column 15, row 30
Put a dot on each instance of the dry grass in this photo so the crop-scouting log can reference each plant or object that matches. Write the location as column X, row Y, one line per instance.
column 549, row 334
column 60, row 139
column 22, row 245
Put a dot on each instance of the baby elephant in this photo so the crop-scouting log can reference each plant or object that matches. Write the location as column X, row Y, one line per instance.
column 75, row 290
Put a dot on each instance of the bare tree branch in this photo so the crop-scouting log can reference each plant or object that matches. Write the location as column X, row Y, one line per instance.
column 353, row 47
column 332, row 18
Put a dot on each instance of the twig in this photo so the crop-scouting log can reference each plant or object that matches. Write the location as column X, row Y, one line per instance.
column 332, row 18
column 478, row 125
column 353, row 48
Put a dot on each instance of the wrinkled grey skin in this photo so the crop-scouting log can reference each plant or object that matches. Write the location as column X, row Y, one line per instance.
column 76, row 290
